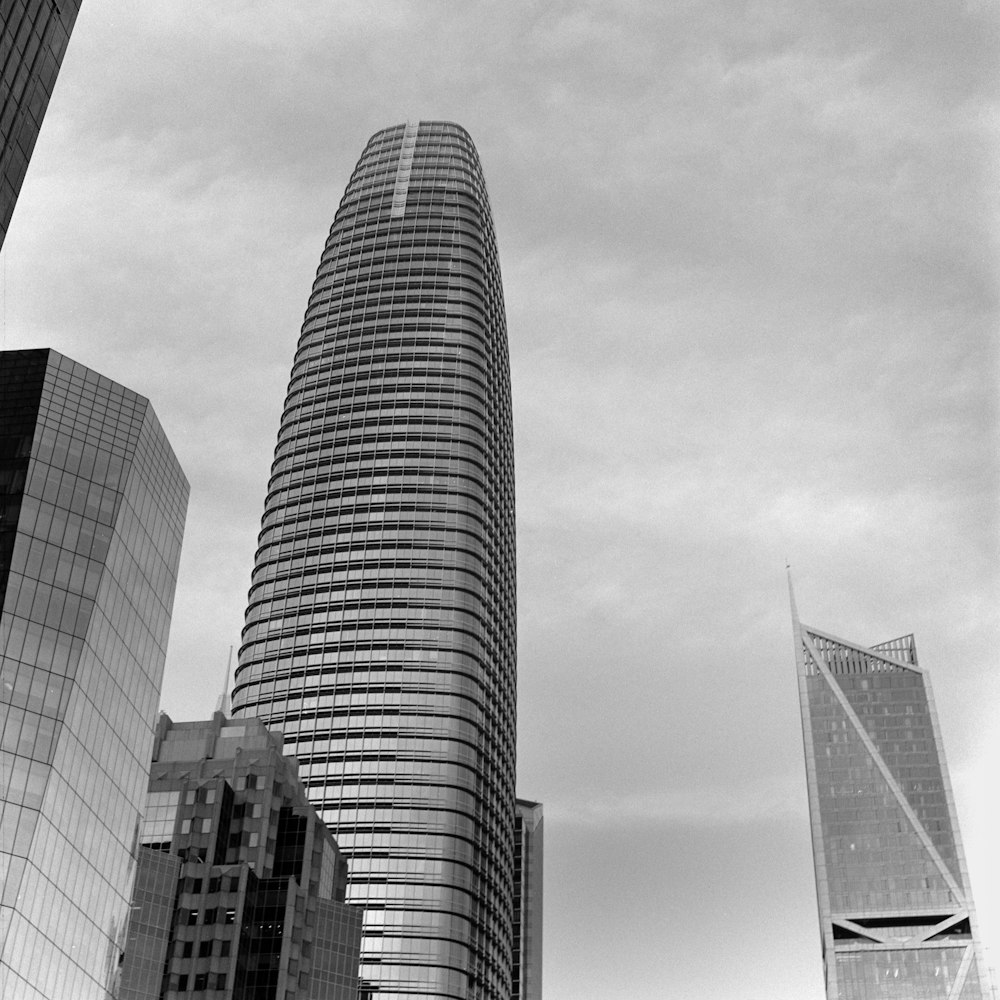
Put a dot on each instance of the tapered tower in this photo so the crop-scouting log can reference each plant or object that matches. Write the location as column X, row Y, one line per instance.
column 380, row 632
column 895, row 906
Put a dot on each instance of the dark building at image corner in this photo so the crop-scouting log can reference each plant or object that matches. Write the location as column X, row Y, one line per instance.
column 240, row 886
column 92, row 507
column 33, row 39
column 897, row 920
column 380, row 631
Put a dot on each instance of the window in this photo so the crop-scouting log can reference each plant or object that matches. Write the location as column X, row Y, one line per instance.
column 186, row 948
column 205, row 949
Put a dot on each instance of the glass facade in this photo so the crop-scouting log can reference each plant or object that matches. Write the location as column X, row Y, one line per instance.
column 92, row 505
column 33, row 39
column 896, row 912
column 526, row 979
column 380, row 631
column 240, row 890
column 153, row 899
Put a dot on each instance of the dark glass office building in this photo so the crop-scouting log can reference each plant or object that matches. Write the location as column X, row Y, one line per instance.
column 33, row 39
column 380, row 632
column 92, row 506
column 526, row 980
column 240, row 886
column 896, row 914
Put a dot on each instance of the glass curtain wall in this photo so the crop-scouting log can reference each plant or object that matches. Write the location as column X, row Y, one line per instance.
column 93, row 511
column 33, row 39
column 380, row 632
column 896, row 912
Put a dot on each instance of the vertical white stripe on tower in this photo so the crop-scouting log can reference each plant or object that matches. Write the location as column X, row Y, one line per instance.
column 403, row 170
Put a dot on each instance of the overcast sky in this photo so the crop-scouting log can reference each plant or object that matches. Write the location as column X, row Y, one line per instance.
column 750, row 257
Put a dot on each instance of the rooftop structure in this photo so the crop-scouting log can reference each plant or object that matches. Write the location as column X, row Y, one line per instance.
column 241, row 886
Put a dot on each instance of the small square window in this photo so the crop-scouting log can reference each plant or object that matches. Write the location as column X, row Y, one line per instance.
column 205, row 949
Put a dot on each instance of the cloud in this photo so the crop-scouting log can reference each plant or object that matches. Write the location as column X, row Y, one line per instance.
column 766, row 801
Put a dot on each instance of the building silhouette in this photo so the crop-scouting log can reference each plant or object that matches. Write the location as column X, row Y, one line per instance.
column 33, row 39
column 92, row 506
column 240, row 885
column 528, row 858
column 895, row 907
column 380, row 632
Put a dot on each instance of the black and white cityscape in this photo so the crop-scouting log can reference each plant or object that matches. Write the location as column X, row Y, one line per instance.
column 498, row 501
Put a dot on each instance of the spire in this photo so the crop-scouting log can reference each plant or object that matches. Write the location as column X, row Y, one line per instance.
column 222, row 705
column 796, row 624
column 791, row 593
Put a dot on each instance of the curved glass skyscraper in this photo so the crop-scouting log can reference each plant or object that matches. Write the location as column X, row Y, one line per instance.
column 380, row 633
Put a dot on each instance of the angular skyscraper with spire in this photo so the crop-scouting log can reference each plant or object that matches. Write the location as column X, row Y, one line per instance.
column 895, row 906
column 380, row 633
